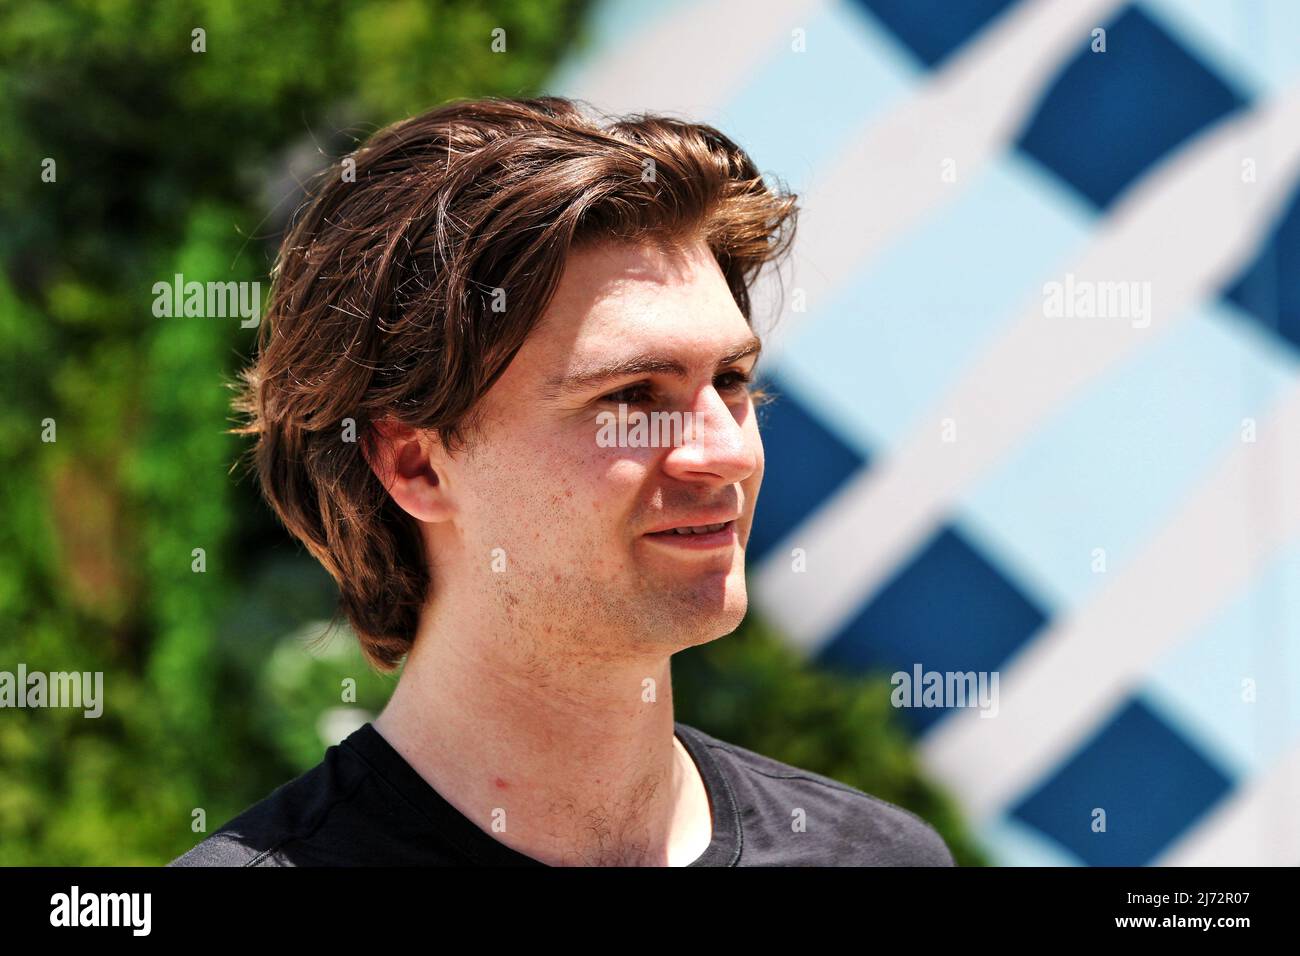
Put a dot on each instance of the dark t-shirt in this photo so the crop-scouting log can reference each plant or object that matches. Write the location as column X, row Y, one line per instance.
column 364, row 805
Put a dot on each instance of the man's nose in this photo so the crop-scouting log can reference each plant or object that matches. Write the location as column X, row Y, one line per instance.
column 715, row 447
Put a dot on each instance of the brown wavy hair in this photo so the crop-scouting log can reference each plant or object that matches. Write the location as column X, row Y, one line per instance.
column 381, row 305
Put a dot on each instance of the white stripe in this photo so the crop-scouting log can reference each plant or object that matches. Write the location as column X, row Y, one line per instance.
column 1185, row 228
column 1068, row 682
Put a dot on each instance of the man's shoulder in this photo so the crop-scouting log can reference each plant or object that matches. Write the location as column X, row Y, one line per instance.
column 227, row 849
column 255, row 836
column 296, row 815
column 855, row 827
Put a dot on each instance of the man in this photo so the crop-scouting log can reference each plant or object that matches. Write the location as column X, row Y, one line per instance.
column 499, row 279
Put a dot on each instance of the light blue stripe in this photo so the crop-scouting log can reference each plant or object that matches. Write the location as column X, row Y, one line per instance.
column 801, row 109
column 1011, row 843
column 810, row 392
column 1115, row 464
column 881, row 353
column 1255, row 45
column 615, row 21
column 1197, row 685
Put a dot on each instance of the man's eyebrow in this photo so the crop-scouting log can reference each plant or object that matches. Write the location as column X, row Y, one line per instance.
column 588, row 377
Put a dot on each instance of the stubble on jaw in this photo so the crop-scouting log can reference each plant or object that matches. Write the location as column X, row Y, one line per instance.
column 569, row 618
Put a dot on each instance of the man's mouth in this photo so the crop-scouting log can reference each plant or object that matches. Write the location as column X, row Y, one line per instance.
column 697, row 529
column 722, row 534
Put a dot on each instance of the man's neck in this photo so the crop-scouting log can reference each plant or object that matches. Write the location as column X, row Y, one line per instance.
column 570, row 760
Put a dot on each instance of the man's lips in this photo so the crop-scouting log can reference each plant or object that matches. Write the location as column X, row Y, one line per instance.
column 701, row 537
column 698, row 521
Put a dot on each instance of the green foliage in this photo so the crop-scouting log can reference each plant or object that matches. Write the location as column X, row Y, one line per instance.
column 165, row 159
column 162, row 156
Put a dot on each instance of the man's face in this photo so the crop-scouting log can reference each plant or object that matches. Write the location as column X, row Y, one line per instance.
column 576, row 519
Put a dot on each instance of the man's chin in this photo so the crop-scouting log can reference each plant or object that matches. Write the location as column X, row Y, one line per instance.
column 710, row 610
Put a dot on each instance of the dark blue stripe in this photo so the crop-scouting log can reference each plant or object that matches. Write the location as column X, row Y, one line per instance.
column 933, row 29
column 805, row 463
column 1268, row 288
column 948, row 610
column 1110, row 116
column 1151, row 783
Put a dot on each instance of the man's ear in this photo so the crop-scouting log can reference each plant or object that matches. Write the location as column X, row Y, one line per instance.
column 403, row 459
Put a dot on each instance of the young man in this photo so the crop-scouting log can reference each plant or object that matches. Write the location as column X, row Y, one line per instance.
column 497, row 281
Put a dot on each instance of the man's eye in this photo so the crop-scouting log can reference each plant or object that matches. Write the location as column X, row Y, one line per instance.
column 632, row 395
column 733, row 381
column 640, row 394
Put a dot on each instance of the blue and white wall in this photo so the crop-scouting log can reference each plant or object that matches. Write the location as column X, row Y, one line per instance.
column 1105, row 512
